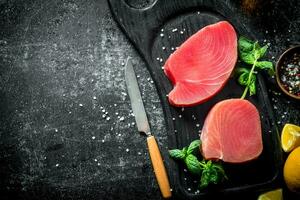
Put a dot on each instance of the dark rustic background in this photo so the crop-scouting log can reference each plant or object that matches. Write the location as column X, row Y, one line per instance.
column 66, row 129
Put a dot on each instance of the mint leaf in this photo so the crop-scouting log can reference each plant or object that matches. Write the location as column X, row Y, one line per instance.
column 177, row 154
column 263, row 50
column 247, row 57
column 193, row 164
column 252, row 88
column 266, row 65
column 243, row 78
column 212, row 174
column 194, row 147
column 241, row 70
column 245, row 45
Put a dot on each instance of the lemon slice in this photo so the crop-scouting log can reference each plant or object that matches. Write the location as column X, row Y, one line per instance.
column 271, row 195
column 290, row 137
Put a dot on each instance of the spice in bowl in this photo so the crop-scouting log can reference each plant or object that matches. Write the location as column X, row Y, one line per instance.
column 289, row 73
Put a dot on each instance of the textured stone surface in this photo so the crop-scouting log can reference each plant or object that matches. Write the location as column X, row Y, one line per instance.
column 65, row 117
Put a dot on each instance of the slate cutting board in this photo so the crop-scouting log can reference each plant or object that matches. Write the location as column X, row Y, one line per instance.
column 156, row 30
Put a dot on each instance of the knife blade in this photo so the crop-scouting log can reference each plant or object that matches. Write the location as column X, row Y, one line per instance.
column 143, row 126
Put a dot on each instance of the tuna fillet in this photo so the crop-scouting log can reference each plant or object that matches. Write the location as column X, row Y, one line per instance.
column 232, row 132
column 200, row 67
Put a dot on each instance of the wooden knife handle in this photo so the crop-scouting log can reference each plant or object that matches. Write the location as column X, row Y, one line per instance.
column 159, row 168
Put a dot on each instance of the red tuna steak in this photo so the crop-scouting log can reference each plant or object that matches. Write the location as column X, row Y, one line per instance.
column 232, row 132
column 200, row 67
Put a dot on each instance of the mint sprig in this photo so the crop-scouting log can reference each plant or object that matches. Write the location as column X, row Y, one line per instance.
column 209, row 172
column 250, row 52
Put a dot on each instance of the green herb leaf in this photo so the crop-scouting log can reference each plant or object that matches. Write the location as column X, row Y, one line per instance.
column 252, row 85
column 266, row 65
column 212, row 174
column 177, row 154
column 241, row 70
column 263, row 50
column 247, row 57
column 245, row 45
column 193, row 164
column 250, row 52
column 243, row 78
column 194, row 147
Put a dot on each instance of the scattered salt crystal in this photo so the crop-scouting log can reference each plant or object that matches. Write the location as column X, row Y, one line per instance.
column 163, row 48
column 162, row 67
column 94, row 97
column 179, row 116
column 127, row 150
column 93, row 137
column 56, row 130
column 116, row 113
column 102, row 141
column 175, row 131
column 162, row 30
column 115, row 105
column 160, row 60
column 197, row 125
column 107, row 118
column 122, row 118
column 139, row 153
column 267, row 31
column 174, row 30
column 104, row 115
column 95, row 160
column 189, row 189
column 98, row 164
column 198, row 13
column 122, row 63
column 182, row 109
column 181, row 32
column 173, row 119
column 132, row 123
column 80, row 105
column 161, row 35
column 172, row 48
column 57, row 165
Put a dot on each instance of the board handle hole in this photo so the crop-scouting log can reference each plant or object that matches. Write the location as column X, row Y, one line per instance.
column 140, row 4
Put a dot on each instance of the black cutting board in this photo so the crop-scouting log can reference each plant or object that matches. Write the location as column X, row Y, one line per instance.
column 156, row 30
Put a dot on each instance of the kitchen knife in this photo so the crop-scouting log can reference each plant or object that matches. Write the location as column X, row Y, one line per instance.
column 143, row 127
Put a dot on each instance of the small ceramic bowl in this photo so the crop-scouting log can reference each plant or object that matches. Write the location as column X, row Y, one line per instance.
column 285, row 63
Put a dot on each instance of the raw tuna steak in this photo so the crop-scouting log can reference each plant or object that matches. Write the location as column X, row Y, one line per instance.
column 200, row 67
column 232, row 132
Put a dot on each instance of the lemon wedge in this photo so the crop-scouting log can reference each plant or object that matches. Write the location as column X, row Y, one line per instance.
column 290, row 137
column 271, row 195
